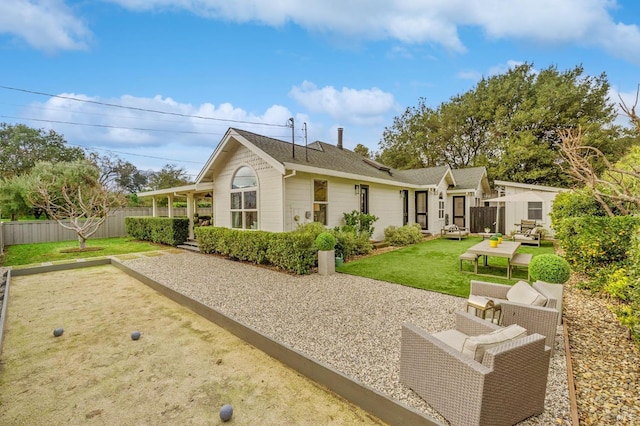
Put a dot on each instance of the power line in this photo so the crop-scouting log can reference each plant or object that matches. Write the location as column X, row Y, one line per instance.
column 107, row 126
column 136, row 155
column 139, row 109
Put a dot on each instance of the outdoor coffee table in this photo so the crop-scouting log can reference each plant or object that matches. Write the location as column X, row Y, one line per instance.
column 505, row 249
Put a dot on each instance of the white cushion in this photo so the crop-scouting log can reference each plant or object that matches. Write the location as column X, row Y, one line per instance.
column 522, row 292
column 451, row 228
column 475, row 346
column 452, row 337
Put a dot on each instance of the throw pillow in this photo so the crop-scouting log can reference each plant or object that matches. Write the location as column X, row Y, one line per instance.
column 522, row 292
column 475, row 346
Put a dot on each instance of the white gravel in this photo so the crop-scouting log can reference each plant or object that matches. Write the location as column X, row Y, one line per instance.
column 351, row 323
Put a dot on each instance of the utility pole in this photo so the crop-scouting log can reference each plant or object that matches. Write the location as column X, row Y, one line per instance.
column 293, row 138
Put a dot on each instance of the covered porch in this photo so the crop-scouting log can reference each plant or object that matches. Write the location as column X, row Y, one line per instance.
column 192, row 193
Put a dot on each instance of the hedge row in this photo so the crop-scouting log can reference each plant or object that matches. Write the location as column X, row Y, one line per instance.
column 163, row 230
column 594, row 242
column 292, row 251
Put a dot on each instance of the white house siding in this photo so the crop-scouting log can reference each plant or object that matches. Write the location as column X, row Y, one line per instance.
column 516, row 211
column 269, row 191
column 385, row 203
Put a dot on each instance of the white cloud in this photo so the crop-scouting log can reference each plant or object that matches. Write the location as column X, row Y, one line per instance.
column 51, row 25
column 366, row 106
column 582, row 22
column 47, row 25
column 190, row 125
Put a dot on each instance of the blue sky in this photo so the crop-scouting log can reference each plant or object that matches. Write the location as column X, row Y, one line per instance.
column 354, row 64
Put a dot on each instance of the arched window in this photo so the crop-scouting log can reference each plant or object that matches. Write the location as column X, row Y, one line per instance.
column 244, row 199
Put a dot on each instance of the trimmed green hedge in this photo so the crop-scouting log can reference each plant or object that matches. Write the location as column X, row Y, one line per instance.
column 291, row 251
column 163, row 230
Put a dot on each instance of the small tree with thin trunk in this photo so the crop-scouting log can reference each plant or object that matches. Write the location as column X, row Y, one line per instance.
column 72, row 195
column 618, row 187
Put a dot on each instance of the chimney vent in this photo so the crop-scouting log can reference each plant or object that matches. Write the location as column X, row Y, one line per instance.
column 340, row 129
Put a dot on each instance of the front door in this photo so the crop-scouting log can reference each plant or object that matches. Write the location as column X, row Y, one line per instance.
column 421, row 209
column 458, row 211
column 405, row 207
column 364, row 199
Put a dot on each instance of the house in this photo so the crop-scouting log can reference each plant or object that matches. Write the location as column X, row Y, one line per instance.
column 258, row 182
column 525, row 202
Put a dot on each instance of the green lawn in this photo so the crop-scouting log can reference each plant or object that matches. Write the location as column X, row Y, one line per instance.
column 25, row 254
column 433, row 265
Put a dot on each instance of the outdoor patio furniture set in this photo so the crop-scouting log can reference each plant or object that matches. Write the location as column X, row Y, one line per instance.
column 489, row 370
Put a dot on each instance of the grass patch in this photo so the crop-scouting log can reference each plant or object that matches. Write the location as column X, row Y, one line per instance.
column 25, row 254
column 433, row 265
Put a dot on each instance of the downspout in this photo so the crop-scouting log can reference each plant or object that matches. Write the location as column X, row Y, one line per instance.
column 284, row 201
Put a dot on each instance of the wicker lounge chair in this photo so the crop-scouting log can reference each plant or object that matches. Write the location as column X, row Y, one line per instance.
column 536, row 319
column 507, row 386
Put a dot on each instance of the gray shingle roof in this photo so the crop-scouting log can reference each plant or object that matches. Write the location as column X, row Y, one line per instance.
column 327, row 156
column 320, row 154
column 468, row 178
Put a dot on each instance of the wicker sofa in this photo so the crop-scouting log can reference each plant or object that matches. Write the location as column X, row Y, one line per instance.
column 536, row 319
column 507, row 386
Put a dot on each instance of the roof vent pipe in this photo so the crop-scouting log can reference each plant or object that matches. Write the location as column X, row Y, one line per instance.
column 340, row 129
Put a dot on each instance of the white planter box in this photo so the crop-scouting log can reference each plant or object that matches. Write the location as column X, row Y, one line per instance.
column 326, row 262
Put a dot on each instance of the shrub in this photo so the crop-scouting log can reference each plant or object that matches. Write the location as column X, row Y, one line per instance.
column 591, row 243
column 162, row 230
column 403, row 236
column 361, row 222
column 550, row 268
column 291, row 251
column 325, row 241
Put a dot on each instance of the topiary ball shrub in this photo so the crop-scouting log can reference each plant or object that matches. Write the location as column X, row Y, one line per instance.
column 550, row 268
column 325, row 241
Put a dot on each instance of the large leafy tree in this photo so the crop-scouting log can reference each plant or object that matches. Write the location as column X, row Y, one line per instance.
column 117, row 174
column 21, row 147
column 169, row 176
column 71, row 193
column 509, row 123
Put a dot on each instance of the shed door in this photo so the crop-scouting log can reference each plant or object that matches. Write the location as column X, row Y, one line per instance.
column 421, row 209
column 458, row 211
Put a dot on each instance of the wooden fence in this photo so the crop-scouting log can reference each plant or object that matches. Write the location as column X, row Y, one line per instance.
column 45, row 231
column 485, row 217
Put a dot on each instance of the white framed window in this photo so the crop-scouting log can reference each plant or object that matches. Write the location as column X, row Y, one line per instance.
column 320, row 201
column 534, row 210
column 244, row 199
column 440, row 206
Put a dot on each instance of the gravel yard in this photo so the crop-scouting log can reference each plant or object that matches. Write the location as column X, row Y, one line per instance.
column 348, row 322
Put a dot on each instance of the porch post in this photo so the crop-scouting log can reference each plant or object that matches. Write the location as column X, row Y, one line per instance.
column 190, row 214
column 154, row 206
column 170, row 205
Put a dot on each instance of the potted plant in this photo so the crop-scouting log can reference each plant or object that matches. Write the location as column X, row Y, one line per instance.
column 493, row 241
column 499, row 235
column 326, row 243
column 487, row 230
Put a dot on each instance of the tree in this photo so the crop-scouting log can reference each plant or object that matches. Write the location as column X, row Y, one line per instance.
column 21, row 147
column 72, row 195
column 117, row 174
column 12, row 201
column 362, row 150
column 169, row 176
column 508, row 123
column 617, row 188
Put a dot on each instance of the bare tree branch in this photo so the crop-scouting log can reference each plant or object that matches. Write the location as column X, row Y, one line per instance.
column 615, row 186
